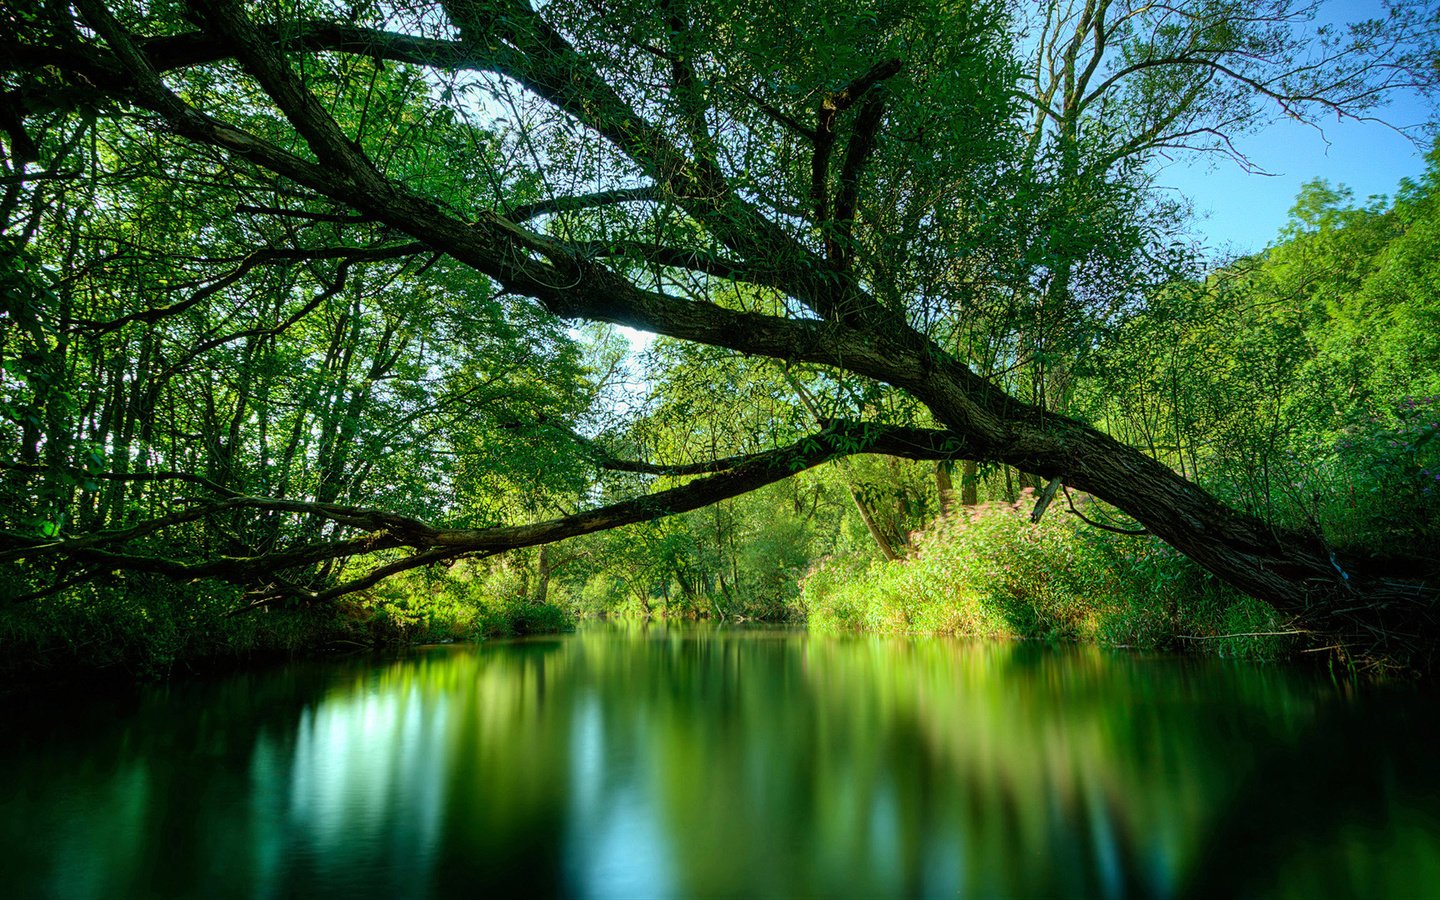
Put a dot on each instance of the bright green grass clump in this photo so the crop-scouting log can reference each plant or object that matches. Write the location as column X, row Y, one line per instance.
column 988, row 571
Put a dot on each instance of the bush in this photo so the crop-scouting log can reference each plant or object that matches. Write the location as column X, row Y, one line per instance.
column 149, row 626
column 1381, row 482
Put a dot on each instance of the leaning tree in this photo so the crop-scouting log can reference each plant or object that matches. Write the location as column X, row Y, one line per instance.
column 934, row 198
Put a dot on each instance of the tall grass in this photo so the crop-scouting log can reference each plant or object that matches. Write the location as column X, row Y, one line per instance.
column 989, row 571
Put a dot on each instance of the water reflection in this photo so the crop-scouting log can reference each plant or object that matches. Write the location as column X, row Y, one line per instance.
column 626, row 762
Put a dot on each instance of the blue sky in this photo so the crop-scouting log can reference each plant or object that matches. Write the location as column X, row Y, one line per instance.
column 1243, row 212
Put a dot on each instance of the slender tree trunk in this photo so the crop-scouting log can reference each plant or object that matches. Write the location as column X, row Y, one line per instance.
column 944, row 486
column 887, row 549
column 542, row 578
column 867, row 515
column 969, row 483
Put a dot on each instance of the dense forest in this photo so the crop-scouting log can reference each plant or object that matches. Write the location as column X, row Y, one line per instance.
column 312, row 326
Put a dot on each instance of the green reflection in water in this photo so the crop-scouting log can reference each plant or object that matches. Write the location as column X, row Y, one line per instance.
column 684, row 761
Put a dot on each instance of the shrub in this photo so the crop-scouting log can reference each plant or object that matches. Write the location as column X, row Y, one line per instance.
column 1381, row 481
column 149, row 626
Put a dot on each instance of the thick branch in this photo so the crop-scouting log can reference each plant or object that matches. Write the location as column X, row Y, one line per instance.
column 266, row 63
column 857, row 152
column 889, row 440
column 839, row 439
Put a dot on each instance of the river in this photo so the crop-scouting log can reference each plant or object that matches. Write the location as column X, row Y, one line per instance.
column 689, row 761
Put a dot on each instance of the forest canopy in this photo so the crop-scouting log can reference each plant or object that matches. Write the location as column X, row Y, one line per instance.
column 302, row 295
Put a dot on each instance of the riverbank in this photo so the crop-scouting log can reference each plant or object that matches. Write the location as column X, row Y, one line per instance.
column 985, row 572
column 147, row 628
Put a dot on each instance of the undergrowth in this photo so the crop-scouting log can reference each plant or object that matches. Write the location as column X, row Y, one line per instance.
column 150, row 627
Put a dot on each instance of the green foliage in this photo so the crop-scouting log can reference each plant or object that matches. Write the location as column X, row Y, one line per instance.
column 990, row 572
column 1250, row 629
column 161, row 348
column 1300, row 385
column 149, row 627
column 1378, row 485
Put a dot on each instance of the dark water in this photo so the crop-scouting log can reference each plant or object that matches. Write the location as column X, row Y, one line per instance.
column 682, row 762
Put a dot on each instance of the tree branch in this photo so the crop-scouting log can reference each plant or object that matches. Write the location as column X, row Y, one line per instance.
column 857, row 152
column 386, row 531
column 527, row 211
column 274, row 256
column 887, row 440
column 264, row 61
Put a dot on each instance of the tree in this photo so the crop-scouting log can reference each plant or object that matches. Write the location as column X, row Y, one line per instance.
column 850, row 189
column 1310, row 367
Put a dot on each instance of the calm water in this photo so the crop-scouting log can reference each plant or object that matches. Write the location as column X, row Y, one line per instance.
column 683, row 762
